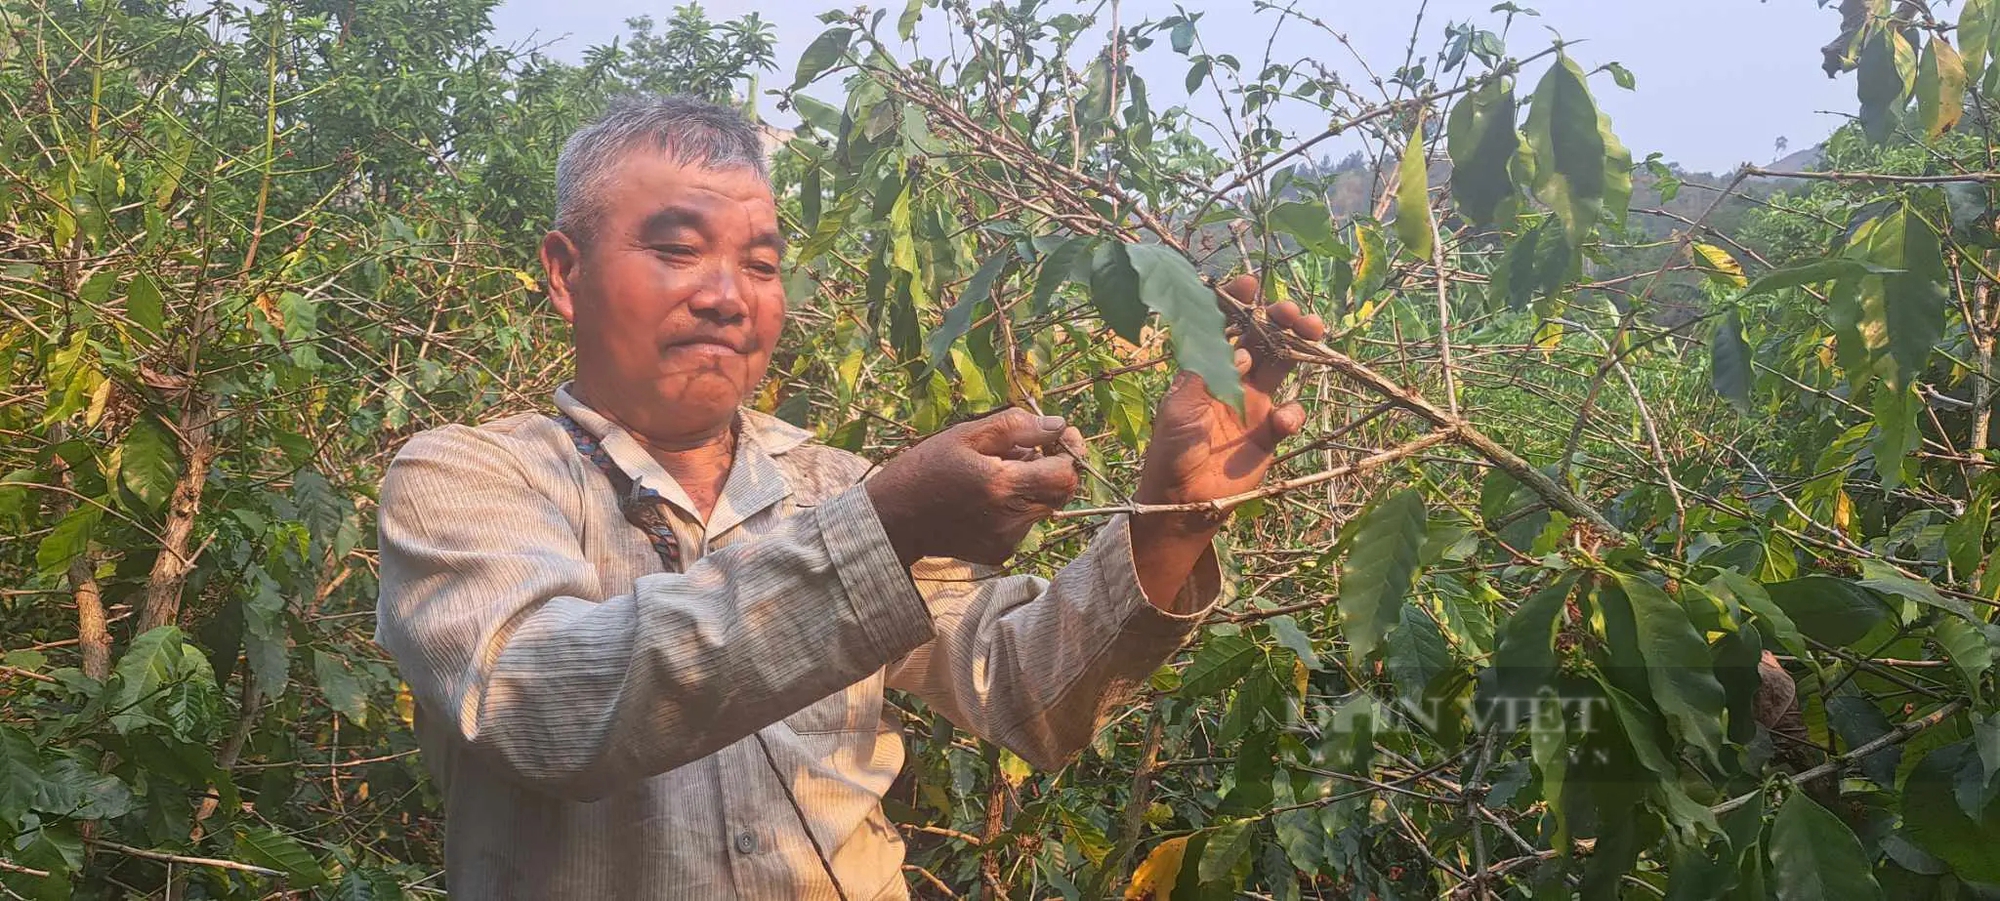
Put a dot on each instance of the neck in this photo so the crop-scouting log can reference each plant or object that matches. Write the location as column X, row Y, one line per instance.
column 700, row 469
column 698, row 462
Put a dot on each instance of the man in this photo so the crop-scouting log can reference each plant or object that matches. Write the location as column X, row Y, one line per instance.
column 692, row 707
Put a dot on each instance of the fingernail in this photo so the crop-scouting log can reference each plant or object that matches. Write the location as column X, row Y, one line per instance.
column 1051, row 423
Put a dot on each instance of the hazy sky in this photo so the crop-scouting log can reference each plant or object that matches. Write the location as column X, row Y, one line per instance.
column 1719, row 81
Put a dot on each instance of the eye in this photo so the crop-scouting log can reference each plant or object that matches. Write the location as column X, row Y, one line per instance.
column 762, row 267
column 677, row 251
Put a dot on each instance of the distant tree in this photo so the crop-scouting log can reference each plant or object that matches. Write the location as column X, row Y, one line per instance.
column 1782, row 144
column 695, row 55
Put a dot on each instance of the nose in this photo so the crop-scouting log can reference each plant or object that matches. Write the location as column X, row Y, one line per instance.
column 720, row 298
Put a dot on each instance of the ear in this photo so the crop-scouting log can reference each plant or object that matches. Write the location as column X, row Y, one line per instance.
column 562, row 259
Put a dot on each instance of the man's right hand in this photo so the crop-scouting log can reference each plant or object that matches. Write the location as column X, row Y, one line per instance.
column 974, row 490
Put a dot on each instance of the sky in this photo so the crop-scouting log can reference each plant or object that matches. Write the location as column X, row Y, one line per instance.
column 1719, row 81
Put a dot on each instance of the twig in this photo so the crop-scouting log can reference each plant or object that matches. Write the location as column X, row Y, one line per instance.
column 9, row 866
column 164, row 857
column 1135, row 810
column 1875, row 176
column 1223, row 505
column 1902, row 733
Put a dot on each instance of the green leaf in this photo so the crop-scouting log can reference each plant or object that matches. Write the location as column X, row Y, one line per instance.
column 1678, row 665
column 1114, row 290
column 1182, row 36
column 1912, row 301
column 1815, row 857
column 1813, row 273
column 959, row 318
column 1197, row 74
column 1896, row 431
column 1884, row 578
column 1413, row 200
column 1965, row 537
column 1415, row 653
column 1933, row 818
column 1286, row 630
column 1975, row 36
column 1940, row 88
column 1617, row 172
column 269, row 848
column 1222, row 661
column 1858, row 721
column 1380, row 570
column 144, row 305
column 1524, row 657
column 1057, row 269
column 147, row 673
column 69, row 539
column 1308, row 222
column 1827, row 609
column 1481, row 138
column 1169, row 284
column 1969, row 647
column 906, row 24
column 149, row 462
column 343, row 692
column 1566, row 145
column 1752, row 596
column 368, row 884
column 1225, row 847
column 1729, row 362
column 821, row 55
column 265, row 639
column 1622, row 76
column 1887, row 76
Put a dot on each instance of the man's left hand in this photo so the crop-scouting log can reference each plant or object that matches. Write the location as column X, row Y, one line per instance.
column 1201, row 450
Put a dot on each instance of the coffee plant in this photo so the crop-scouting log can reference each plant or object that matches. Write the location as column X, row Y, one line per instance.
column 1638, row 543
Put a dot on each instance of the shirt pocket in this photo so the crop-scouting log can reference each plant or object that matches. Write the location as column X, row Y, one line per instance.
column 856, row 708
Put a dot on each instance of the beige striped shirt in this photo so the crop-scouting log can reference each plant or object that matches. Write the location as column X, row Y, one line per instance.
column 589, row 717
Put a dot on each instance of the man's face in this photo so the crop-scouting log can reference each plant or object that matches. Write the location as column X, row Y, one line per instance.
column 674, row 299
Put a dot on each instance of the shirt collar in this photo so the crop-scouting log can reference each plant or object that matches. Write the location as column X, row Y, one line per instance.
column 755, row 480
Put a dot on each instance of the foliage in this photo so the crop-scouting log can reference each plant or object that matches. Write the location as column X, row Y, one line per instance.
column 1571, row 586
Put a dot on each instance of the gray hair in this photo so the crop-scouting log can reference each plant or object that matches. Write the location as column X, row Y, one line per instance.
column 693, row 132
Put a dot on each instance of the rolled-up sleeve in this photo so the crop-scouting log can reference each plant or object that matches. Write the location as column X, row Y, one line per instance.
column 1038, row 665
column 496, row 621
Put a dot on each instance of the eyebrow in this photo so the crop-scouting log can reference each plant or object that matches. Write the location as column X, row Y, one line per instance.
column 677, row 217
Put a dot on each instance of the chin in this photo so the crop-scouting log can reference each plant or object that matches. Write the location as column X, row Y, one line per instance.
column 699, row 403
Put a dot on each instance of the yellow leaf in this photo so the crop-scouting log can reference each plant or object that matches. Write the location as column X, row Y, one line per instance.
column 1014, row 769
column 1156, row 876
column 1549, row 335
column 1843, row 510
column 527, row 281
column 98, row 398
column 406, row 705
column 1300, row 677
column 1720, row 266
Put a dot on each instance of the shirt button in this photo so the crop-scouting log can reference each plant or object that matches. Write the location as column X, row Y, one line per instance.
column 746, row 842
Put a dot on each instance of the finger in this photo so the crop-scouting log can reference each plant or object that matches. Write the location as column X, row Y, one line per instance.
column 1000, row 433
column 1049, row 482
column 1269, row 373
column 1243, row 360
column 1283, row 423
column 1245, row 289
column 1310, row 327
column 1071, row 442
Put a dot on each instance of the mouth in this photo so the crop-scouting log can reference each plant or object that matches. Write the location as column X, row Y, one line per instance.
column 705, row 345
